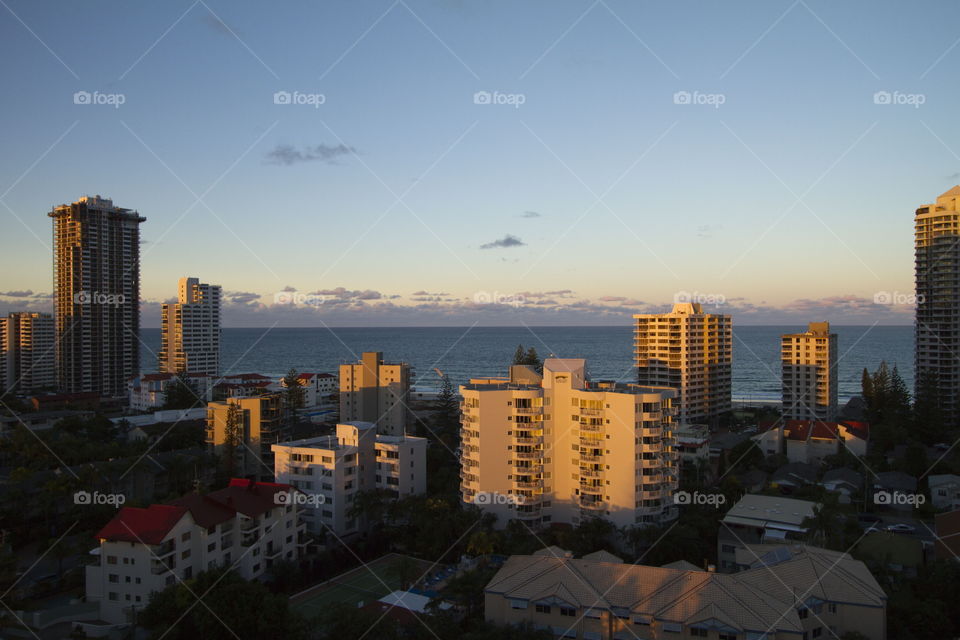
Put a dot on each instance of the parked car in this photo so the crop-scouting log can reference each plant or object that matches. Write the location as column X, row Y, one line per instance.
column 901, row 528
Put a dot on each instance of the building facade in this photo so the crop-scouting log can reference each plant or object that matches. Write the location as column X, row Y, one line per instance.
column 809, row 373
column 96, row 295
column 248, row 426
column 690, row 351
column 376, row 391
column 27, row 353
column 190, row 329
column 787, row 593
column 937, row 280
column 560, row 448
column 147, row 392
column 246, row 527
column 330, row 470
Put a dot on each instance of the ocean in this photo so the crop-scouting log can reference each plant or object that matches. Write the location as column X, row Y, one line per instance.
column 462, row 352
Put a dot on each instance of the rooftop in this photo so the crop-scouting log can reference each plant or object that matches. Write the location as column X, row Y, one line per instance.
column 769, row 509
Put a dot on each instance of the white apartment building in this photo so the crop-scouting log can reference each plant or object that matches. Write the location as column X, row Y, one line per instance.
column 26, row 352
column 376, row 391
column 148, row 391
column 809, row 367
column 937, row 324
column 245, row 526
column 317, row 387
column 690, row 351
column 330, row 470
column 190, row 329
column 560, row 448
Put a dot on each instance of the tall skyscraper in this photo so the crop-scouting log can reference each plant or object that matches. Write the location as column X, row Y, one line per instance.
column 376, row 391
column 26, row 352
column 690, row 351
column 937, row 324
column 809, row 367
column 559, row 448
column 190, row 330
column 96, row 295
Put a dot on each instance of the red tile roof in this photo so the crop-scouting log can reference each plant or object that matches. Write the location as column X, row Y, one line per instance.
column 149, row 526
column 206, row 511
column 249, row 498
column 802, row 429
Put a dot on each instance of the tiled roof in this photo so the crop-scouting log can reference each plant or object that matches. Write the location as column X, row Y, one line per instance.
column 758, row 599
column 206, row 511
column 248, row 497
column 149, row 526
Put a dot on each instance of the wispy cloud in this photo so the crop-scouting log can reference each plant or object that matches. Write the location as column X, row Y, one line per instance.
column 505, row 242
column 17, row 294
column 285, row 154
column 530, row 214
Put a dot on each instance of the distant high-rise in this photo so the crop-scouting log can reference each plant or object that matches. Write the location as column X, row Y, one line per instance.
column 26, row 352
column 96, row 295
column 376, row 391
column 937, row 325
column 190, row 330
column 809, row 366
column 690, row 351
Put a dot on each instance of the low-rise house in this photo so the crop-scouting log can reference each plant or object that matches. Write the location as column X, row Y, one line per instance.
column 894, row 490
column 812, row 440
column 331, row 470
column 947, row 527
column 945, row 491
column 793, row 476
column 147, row 392
column 246, row 526
column 769, row 438
column 792, row 592
column 845, row 482
column 722, row 444
column 759, row 519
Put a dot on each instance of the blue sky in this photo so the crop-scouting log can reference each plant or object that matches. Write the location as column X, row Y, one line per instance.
column 603, row 193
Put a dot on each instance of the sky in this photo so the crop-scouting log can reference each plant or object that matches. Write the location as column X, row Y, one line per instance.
column 434, row 162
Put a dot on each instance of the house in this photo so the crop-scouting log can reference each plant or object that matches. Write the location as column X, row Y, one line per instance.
column 896, row 490
column 794, row 475
column 147, row 392
column 757, row 519
column 247, row 526
column 792, row 592
column 769, row 438
column 813, row 440
column 317, row 387
column 947, row 527
column 55, row 401
column 843, row 481
column 945, row 491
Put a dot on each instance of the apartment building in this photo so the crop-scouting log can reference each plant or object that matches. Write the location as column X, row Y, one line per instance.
column 96, row 296
column 260, row 422
column 809, row 373
column 190, row 329
column 376, row 391
column 330, row 470
column 247, row 526
column 317, row 387
column 937, row 325
column 789, row 593
column 690, row 351
column 561, row 448
column 27, row 352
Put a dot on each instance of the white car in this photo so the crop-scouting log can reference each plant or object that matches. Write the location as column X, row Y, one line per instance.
column 901, row 528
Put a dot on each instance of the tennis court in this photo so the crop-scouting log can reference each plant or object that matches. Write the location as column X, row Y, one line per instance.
column 362, row 584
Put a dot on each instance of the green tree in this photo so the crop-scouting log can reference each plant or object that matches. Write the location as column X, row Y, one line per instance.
column 446, row 415
column 232, row 608
column 295, row 394
column 866, row 386
column 180, row 393
column 520, row 355
column 533, row 360
column 232, row 439
column 927, row 408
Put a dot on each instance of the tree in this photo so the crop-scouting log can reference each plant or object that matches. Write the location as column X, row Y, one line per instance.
column 927, row 408
column 447, row 408
column 232, row 608
column 533, row 360
column 866, row 386
column 295, row 394
column 180, row 393
column 232, row 439
column 520, row 356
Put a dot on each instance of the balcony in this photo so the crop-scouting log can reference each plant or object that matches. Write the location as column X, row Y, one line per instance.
column 528, row 485
column 591, row 443
column 591, row 489
column 589, row 457
column 592, row 428
column 158, row 567
column 530, row 441
column 590, row 412
column 528, row 410
column 590, row 473
column 590, row 503
column 528, row 455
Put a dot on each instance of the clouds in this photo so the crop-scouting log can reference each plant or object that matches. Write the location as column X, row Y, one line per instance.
column 241, row 298
column 505, row 242
column 530, row 214
column 286, row 155
column 343, row 294
column 17, row 294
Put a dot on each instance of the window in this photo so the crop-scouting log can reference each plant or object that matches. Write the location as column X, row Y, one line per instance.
column 518, row 604
column 113, row 596
column 570, row 612
column 111, row 559
column 543, row 608
column 803, row 613
column 832, row 607
column 728, row 548
column 185, row 537
column 698, row 633
column 727, row 636
column 114, row 578
column 817, row 632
